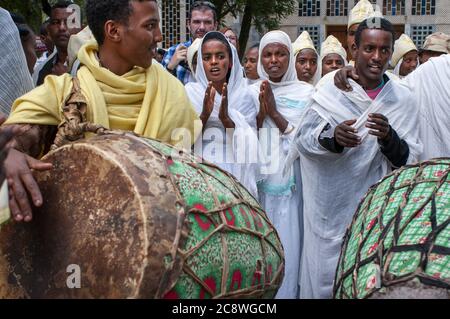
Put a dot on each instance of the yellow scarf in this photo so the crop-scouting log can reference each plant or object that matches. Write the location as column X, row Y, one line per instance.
column 149, row 102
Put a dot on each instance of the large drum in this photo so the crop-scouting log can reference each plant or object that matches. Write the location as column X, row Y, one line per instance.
column 128, row 217
column 398, row 245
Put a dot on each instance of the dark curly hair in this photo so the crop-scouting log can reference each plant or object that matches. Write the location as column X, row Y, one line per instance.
column 100, row 11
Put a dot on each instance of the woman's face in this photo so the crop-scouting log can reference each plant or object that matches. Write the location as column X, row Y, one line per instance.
column 306, row 65
column 216, row 60
column 409, row 64
column 332, row 62
column 251, row 64
column 232, row 37
column 275, row 61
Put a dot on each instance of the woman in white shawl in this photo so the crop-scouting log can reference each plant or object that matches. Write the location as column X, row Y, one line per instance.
column 222, row 100
column 282, row 100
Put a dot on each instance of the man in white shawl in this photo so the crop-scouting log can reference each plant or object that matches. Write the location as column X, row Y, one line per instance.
column 282, row 99
column 347, row 142
column 222, row 100
column 15, row 79
column 429, row 84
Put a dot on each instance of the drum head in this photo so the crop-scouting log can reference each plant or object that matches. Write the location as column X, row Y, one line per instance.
column 95, row 232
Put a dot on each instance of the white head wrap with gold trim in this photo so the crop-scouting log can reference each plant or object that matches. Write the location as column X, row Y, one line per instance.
column 360, row 12
column 332, row 45
column 303, row 42
column 402, row 46
column 192, row 50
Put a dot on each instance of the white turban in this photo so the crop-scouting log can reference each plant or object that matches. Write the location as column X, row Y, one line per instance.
column 332, row 45
column 360, row 12
column 402, row 46
column 304, row 41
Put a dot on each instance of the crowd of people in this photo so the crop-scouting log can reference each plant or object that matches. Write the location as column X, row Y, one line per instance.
column 307, row 132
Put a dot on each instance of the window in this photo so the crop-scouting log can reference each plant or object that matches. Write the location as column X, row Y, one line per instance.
column 371, row 1
column 420, row 32
column 171, row 24
column 314, row 33
column 309, row 8
column 393, row 7
column 423, row 7
column 337, row 8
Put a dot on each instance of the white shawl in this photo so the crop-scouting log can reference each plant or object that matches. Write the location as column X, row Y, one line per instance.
column 337, row 182
column 292, row 97
column 15, row 78
column 234, row 151
column 430, row 84
column 350, row 174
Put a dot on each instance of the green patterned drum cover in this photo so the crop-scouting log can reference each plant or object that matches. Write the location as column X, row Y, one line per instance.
column 400, row 234
column 232, row 250
column 142, row 220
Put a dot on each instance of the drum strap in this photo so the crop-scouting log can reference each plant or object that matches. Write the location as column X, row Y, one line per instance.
column 75, row 125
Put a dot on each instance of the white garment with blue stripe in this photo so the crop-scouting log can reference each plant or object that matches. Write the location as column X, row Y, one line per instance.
column 281, row 195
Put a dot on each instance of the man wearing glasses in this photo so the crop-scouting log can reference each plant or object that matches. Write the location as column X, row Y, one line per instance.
column 202, row 19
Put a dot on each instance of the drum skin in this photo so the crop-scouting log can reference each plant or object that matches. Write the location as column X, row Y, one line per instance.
column 114, row 208
column 398, row 245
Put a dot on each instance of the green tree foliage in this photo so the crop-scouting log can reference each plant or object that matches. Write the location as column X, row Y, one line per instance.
column 31, row 10
column 263, row 14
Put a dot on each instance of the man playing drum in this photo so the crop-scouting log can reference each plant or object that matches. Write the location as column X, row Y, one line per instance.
column 121, row 87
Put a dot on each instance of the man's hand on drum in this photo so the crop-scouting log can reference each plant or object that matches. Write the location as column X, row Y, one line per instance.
column 22, row 185
column 346, row 135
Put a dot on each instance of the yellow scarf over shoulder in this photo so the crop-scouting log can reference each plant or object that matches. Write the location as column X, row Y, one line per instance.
column 149, row 102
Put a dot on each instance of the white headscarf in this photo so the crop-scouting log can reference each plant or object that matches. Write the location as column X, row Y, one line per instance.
column 238, row 97
column 192, row 50
column 242, row 111
column 292, row 97
column 282, row 38
column 15, row 78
